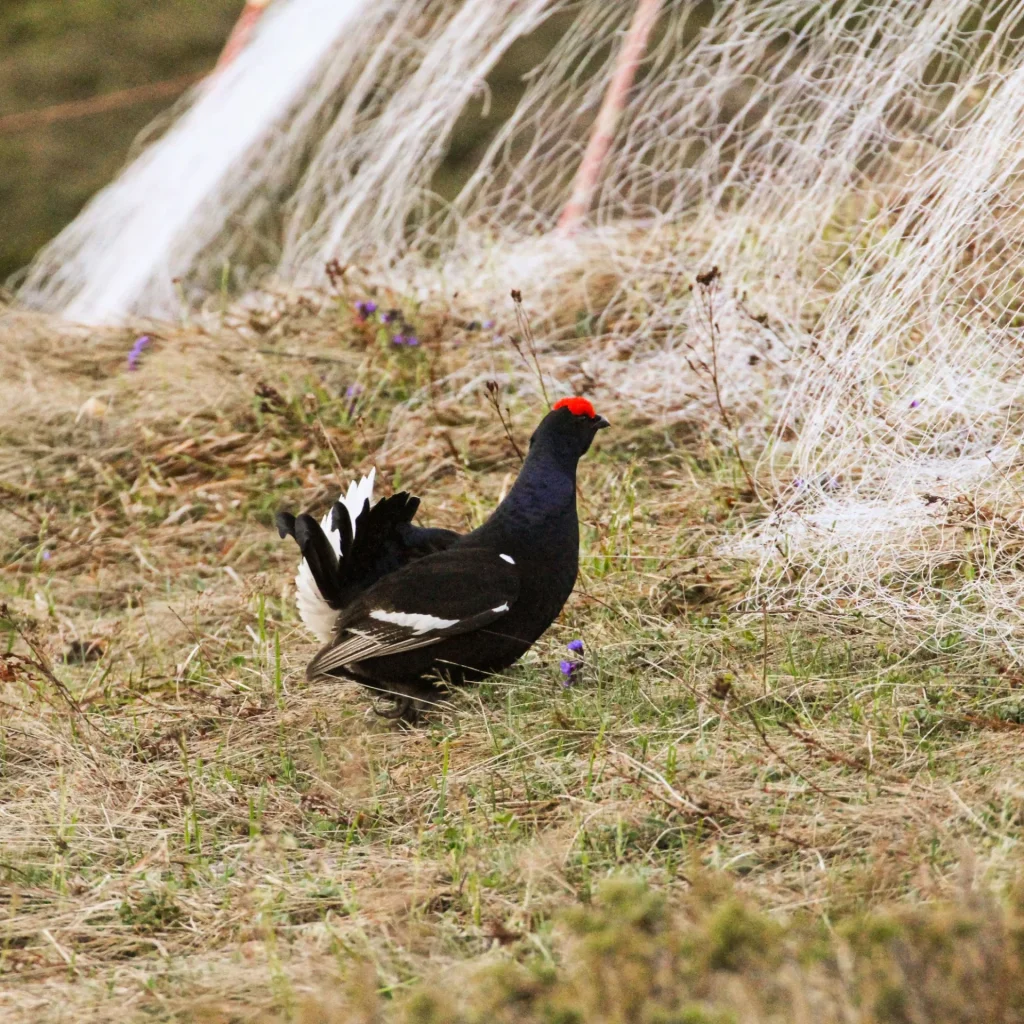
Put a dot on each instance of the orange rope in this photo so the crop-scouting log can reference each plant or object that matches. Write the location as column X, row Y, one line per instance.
column 242, row 32
column 96, row 104
column 603, row 135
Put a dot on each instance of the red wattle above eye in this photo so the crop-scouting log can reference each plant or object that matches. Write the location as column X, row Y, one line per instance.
column 577, row 406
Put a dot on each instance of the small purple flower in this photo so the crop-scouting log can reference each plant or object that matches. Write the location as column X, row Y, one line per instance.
column 915, row 403
column 488, row 325
column 575, row 646
column 412, row 340
column 398, row 339
column 353, row 390
column 365, row 309
column 568, row 670
column 136, row 351
column 47, row 555
column 798, row 482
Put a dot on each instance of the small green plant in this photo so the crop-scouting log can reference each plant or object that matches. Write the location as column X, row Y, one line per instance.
column 155, row 911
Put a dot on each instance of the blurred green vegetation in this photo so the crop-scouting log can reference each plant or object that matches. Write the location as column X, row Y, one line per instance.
column 57, row 51
column 62, row 51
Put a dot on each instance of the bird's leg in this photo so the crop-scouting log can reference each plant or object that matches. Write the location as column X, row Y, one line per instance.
column 401, row 705
column 408, row 703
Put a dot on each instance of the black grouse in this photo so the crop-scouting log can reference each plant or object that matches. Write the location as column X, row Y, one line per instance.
column 401, row 608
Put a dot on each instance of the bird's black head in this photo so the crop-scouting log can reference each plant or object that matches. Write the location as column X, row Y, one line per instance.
column 569, row 428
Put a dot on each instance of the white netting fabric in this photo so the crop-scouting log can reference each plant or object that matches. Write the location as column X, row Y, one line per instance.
column 853, row 169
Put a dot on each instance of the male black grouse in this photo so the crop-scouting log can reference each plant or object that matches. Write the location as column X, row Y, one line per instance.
column 401, row 607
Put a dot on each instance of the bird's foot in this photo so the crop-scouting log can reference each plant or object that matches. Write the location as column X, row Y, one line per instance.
column 402, row 705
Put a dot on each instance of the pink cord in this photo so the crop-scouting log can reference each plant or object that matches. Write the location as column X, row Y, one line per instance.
column 242, row 32
column 603, row 134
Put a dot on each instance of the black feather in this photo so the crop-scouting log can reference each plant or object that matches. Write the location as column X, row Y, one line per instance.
column 285, row 523
column 415, row 604
column 320, row 557
column 532, row 537
column 378, row 548
column 489, row 592
column 381, row 540
column 425, row 540
column 341, row 523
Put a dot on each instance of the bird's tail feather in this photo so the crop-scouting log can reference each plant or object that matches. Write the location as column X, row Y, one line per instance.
column 320, row 556
column 349, row 550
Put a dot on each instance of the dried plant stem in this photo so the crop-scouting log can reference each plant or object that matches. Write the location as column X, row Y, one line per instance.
column 242, row 32
column 603, row 135
column 504, row 416
column 705, row 294
column 40, row 664
column 523, row 322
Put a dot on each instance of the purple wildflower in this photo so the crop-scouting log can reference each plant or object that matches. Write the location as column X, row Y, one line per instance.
column 568, row 670
column 412, row 340
column 575, row 646
column 352, row 393
column 488, row 325
column 398, row 339
column 365, row 309
column 136, row 351
column 915, row 403
column 47, row 555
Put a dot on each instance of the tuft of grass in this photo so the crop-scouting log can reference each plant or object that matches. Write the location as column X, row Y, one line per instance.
column 712, row 958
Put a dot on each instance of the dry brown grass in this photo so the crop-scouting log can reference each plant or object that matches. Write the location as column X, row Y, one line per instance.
column 189, row 831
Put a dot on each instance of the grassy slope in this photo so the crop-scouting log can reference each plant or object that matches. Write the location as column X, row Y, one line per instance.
column 203, row 835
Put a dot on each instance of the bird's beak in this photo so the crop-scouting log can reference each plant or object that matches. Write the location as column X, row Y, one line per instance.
column 601, row 423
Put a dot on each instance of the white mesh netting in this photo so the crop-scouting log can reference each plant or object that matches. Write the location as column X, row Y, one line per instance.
column 853, row 168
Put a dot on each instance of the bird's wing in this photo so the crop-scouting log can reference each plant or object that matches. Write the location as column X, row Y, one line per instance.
column 436, row 597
